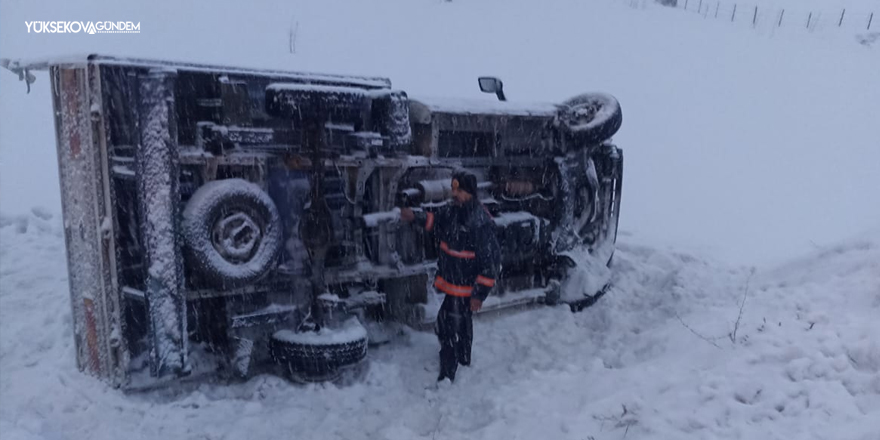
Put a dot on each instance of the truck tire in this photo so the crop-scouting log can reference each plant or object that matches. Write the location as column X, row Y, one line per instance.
column 232, row 232
column 590, row 118
column 320, row 354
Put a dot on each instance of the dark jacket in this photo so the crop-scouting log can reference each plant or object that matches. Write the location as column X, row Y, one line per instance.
column 469, row 258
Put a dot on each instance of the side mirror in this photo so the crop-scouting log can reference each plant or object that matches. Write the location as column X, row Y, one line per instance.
column 490, row 84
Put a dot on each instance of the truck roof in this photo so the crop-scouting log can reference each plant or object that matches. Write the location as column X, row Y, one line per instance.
column 489, row 107
column 20, row 65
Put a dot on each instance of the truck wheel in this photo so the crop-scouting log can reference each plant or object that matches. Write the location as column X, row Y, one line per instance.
column 232, row 232
column 590, row 118
column 320, row 355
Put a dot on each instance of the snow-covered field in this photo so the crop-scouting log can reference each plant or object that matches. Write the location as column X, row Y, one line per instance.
column 743, row 149
column 805, row 363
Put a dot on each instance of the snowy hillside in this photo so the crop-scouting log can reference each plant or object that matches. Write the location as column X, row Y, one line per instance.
column 805, row 363
column 743, row 149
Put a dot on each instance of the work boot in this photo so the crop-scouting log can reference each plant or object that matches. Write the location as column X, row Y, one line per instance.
column 444, row 376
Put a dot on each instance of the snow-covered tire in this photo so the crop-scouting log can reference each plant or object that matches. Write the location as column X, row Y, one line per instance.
column 232, row 232
column 591, row 118
column 320, row 354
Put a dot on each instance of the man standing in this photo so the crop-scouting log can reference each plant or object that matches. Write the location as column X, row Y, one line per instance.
column 468, row 264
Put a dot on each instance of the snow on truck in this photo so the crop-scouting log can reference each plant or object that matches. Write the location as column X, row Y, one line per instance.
column 230, row 222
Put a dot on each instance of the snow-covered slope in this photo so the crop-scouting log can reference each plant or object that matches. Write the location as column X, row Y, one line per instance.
column 653, row 359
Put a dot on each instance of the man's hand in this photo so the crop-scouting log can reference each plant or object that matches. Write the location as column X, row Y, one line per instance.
column 476, row 305
column 407, row 215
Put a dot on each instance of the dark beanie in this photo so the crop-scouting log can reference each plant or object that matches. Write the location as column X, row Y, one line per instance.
column 466, row 182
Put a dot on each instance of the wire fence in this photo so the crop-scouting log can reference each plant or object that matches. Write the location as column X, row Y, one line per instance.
column 766, row 16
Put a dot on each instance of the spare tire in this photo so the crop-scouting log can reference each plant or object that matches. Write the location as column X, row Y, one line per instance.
column 590, row 118
column 232, row 232
column 321, row 354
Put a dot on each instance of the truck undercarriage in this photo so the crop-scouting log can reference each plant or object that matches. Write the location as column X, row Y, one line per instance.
column 242, row 221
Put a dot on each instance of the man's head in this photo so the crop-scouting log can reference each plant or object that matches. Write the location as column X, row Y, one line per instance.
column 464, row 187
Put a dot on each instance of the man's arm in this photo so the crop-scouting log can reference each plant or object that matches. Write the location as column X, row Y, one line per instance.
column 489, row 261
column 424, row 219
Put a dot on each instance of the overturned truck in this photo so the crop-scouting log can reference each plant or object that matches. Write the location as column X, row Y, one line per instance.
column 235, row 222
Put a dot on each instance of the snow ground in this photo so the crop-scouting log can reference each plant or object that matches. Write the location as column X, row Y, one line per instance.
column 743, row 148
column 805, row 364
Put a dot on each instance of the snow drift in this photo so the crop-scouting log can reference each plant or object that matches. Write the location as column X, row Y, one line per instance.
column 654, row 358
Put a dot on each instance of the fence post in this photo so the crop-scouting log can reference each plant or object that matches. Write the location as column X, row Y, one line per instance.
column 685, row 5
column 717, row 6
column 781, row 14
column 732, row 16
column 840, row 23
column 700, row 9
column 870, row 19
column 809, row 18
column 755, row 18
